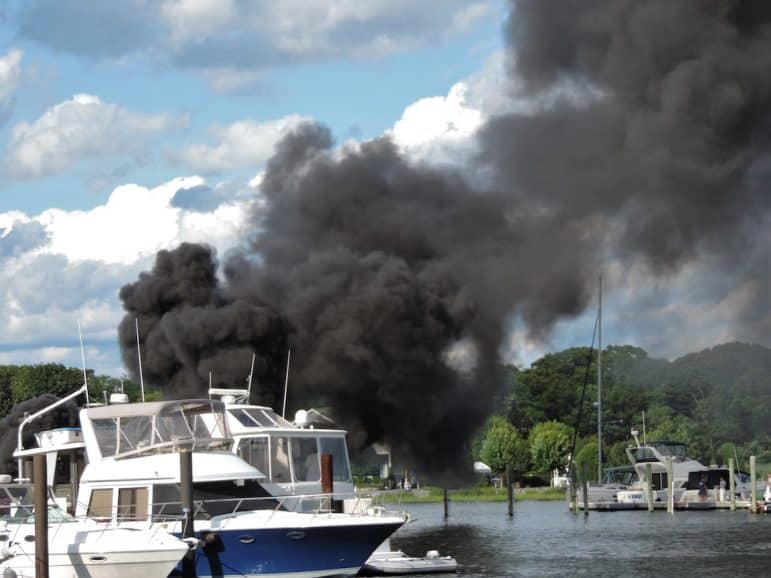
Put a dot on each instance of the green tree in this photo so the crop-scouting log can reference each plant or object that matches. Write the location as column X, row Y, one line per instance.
column 503, row 446
column 550, row 443
column 587, row 455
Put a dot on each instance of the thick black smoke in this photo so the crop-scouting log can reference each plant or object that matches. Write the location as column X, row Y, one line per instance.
column 66, row 415
column 648, row 138
column 668, row 131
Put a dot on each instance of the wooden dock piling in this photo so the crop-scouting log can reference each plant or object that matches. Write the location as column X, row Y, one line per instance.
column 649, row 484
column 585, row 486
column 732, row 483
column 186, row 497
column 40, row 477
column 446, row 502
column 754, row 494
column 509, row 491
column 670, row 488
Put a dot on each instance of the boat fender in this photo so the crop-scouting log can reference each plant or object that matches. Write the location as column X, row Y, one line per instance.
column 9, row 573
column 192, row 543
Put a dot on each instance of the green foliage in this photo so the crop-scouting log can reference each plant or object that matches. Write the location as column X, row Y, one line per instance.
column 550, row 445
column 587, row 455
column 502, row 445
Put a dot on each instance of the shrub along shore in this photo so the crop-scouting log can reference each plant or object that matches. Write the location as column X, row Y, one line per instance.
column 432, row 494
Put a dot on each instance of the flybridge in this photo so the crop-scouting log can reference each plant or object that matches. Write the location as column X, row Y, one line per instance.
column 128, row 430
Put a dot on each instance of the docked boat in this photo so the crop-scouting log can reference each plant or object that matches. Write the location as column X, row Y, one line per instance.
column 79, row 548
column 386, row 561
column 688, row 476
column 133, row 479
column 289, row 454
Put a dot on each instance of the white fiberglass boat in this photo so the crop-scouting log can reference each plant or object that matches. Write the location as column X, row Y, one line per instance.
column 133, row 479
column 386, row 561
column 289, row 454
column 78, row 548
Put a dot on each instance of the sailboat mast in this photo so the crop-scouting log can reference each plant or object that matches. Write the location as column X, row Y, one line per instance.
column 599, row 388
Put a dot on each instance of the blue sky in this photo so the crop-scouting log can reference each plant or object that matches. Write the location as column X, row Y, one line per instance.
column 108, row 109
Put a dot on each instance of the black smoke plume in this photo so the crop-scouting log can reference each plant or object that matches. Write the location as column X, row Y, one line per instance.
column 647, row 140
column 66, row 415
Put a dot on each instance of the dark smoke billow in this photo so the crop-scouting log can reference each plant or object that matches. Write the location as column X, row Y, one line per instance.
column 371, row 267
column 66, row 415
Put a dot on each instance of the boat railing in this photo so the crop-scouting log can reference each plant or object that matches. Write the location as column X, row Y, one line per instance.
column 175, row 445
column 232, row 506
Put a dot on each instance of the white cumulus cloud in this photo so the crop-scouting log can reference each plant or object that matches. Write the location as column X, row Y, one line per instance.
column 10, row 75
column 242, row 144
column 81, row 128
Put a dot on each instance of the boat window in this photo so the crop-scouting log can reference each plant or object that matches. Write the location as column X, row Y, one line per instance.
column 305, row 460
column 100, row 504
column 132, row 504
column 213, row 498
column 336, row 447
column 255, row 452
column 279, row 460
column 106, row 432
column 16, row 503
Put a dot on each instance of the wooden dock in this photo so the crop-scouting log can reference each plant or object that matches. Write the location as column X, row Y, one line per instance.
column 627, row 506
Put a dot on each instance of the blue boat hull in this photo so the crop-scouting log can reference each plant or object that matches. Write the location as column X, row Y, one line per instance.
column 327, row 551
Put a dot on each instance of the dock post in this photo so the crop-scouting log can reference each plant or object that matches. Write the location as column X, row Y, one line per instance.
column 754, row 495
column 649, row 483
column 585, row 487
column 670, row 488
column 446, row 501
column 186, row 497
column 573, row 480
column 732, row 483
column 509, row 491
column 40, row 477
column 328, row 483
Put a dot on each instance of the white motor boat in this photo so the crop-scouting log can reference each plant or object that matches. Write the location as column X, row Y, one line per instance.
column 386, row 561
column 133, row 479
column 79, row 548
column 289, row 454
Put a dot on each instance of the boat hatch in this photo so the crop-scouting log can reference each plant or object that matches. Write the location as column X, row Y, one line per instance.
column 259, row 417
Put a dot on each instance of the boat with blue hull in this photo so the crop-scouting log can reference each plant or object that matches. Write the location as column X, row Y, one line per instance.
column 133, row 479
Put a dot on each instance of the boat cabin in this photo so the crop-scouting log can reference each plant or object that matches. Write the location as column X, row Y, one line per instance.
column 289, row 454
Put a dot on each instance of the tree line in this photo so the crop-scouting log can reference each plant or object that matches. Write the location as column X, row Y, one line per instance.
column 717, row 402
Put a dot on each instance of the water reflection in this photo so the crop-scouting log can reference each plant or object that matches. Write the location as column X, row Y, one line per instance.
column 544, row 539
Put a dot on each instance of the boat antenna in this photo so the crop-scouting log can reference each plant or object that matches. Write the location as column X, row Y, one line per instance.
column 83, row 360
column 209, row 379
column 286, row 381
column 139, row 356
column 599, row 385
column 644, row 441
column 249, row 384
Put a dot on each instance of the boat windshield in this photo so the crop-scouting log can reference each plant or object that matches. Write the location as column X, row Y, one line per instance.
column 655, row 451
column 155, row 427
column 17, row 506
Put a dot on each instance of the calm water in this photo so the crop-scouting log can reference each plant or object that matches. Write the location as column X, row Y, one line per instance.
column 544, row 539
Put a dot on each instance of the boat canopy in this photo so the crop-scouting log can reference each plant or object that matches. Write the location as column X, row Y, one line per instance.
column 124, row 430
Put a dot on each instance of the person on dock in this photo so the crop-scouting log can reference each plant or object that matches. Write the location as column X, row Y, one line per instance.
column 767, row 493
column 702, row 489
column 722, row 489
